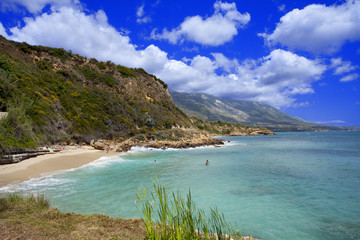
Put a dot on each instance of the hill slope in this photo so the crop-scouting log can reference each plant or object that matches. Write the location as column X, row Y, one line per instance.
column 211, row 108
column 52, row 95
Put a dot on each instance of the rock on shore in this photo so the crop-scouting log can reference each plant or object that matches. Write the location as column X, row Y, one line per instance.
column 174, row 138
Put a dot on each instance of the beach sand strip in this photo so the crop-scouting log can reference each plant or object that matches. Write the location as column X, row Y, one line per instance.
column 47, row 164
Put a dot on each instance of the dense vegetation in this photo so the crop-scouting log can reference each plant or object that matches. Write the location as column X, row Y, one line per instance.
column 52, row 95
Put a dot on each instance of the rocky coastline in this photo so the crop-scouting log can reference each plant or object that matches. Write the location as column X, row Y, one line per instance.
column 174, row 138
column 188, row 139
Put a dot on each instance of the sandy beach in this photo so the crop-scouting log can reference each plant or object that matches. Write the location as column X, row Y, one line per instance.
column 48, row 163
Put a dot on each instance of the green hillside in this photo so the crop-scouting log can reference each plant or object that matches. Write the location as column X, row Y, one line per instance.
column 250, row 113
column 52, row 95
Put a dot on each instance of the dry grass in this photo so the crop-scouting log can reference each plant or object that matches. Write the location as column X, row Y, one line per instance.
column 31, row 218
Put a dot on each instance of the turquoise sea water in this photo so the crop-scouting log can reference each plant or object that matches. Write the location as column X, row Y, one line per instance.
column 288, row 186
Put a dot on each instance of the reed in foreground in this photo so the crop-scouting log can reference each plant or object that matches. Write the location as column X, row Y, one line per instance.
column 170, row 216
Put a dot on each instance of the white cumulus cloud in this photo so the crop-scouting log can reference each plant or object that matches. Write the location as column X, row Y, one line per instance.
column 341, row 67
column 275, row 79
column 350, row 77
column 87, row 34
column 215, row 30
column 318, row 28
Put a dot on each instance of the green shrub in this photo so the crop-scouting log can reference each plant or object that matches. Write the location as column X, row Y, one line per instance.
column 60, row 53
column 5, row 65
column 125, row 72
column 44, row 65
column 16, row 129
column 97, row 77
column 101, row 65
column 141, row 70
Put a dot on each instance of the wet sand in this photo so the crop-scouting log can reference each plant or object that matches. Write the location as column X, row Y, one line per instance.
column 48, row 163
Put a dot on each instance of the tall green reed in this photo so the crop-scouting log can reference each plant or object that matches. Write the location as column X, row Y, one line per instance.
column 175, row 217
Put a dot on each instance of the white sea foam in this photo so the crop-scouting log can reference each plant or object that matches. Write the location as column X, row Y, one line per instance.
column 43, row 183
column 138, row 149
column 105, row 160
column 234, row 143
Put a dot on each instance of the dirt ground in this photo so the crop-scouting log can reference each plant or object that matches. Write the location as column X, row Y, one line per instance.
column 51, row 224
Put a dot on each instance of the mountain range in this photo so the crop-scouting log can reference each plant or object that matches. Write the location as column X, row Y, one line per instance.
column 251, row 113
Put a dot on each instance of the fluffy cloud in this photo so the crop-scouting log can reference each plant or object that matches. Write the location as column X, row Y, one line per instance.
column 318, row 28
column 341, row 67
column 2, row 30
column 89, row 35
column 215, row 30
column 140, row 14
column 276, row 79
column 350, row 77
column 35, row 6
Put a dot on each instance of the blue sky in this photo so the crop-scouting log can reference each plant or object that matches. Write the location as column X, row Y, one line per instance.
column 302, row 57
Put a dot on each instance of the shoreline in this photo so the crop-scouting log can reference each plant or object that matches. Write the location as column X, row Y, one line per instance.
column 77, row 156
column 49, row 163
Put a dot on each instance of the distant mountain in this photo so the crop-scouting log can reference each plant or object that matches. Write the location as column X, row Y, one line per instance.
column 204, row 106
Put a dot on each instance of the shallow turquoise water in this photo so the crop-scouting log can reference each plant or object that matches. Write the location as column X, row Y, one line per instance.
column 288, row 186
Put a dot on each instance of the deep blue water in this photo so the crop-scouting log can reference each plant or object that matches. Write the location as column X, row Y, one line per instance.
column 287, row 186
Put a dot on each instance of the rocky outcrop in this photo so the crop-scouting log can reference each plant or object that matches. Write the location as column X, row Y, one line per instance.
column 99, row 145
column 174, row 138
column 16, row 157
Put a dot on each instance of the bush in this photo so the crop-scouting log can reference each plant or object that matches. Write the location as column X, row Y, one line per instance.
column 60, row 53
column 15, row 129
column 101, row 65
column 5, row 65
column 97, row 77
column 125, row 72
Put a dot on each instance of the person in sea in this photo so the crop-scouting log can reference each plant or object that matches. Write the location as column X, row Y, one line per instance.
column 154, row 161
column 207, row 162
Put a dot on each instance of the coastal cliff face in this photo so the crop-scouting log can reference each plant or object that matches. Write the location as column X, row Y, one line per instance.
column 49, row 95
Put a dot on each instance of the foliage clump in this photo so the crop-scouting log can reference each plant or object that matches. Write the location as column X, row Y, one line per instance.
column 125, row 72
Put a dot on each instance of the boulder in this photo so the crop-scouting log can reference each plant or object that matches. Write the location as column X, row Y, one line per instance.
column 99, row 145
